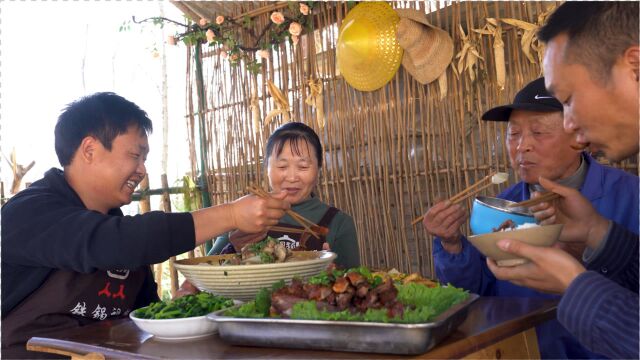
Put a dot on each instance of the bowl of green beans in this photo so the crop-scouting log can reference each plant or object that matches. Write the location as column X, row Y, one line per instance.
column 182, row 318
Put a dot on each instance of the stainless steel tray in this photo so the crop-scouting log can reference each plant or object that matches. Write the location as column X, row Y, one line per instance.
column 341, row 335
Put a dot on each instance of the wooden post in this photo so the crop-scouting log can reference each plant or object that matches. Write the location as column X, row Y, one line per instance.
column 144, row 204
column 145, row 207
column 166, row 204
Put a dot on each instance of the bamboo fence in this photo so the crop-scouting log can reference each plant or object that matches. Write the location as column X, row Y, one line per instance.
column 389, row 154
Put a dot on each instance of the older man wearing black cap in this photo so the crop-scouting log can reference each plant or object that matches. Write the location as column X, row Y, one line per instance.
column 538, row 146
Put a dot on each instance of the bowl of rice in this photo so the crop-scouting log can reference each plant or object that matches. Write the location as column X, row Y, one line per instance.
column 530, row 233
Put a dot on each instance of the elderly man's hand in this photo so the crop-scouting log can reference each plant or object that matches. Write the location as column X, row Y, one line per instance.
column 444, row 220
column 253, row 214
column 582, row 223
column 549, row 269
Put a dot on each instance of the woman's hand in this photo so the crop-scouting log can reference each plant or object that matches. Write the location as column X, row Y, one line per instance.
column 444, row 220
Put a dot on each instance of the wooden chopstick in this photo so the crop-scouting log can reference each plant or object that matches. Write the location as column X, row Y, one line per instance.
column 471, row 189
column 306, row 223
column 459, row 199
column 465, row 193
column 548, row 196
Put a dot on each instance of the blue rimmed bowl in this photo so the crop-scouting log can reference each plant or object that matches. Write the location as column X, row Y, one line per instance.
column 489, row 213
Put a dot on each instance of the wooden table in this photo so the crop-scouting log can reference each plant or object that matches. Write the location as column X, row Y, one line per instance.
column 494, row 328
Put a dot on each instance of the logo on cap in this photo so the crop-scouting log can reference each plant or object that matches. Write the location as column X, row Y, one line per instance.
column 538, row 97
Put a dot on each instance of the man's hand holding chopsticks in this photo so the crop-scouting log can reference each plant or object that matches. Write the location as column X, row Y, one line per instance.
column 444, row 220
column 253, row 214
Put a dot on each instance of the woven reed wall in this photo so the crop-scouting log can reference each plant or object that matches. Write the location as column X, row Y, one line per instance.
column 391, row 153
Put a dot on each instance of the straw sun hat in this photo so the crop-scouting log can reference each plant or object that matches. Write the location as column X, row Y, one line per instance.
column 428, row 50
column 371, row 42
column 368, row 51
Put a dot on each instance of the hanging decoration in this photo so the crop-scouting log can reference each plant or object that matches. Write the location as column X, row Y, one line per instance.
column 368, row 53
column 280, row 104
column 254, row 106
column 468, row 56
column 443, row 85
column 529, row 40
column 315, row 99
column 428, row 50
column 225, row 32
column 493, row 28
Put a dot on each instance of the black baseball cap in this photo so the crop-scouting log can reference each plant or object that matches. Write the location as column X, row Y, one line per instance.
column 533, row 97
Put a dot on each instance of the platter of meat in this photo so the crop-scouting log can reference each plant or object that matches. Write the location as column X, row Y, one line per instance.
column 352, row 310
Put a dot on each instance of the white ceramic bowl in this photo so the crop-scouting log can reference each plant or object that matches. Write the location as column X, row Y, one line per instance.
column 242, row 282
column 539, row 236
column 176, row 329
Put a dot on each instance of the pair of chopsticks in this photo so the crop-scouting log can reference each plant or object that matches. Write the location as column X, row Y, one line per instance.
column 478, row 186
column 321, row 230
column 548, row 196
column 307, row 224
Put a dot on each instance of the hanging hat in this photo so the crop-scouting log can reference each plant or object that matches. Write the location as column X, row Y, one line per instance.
column 428, row 50
column 368, row 52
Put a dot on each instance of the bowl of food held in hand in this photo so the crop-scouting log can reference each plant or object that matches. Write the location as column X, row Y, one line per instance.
column 489, row 213
column 241, row 276
column 348, row 310
column 529, row 233
column 182, row 318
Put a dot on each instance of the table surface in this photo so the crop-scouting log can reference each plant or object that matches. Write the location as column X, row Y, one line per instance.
column 490, row 319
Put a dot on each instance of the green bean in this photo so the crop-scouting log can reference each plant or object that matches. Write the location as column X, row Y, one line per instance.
column 187, row 306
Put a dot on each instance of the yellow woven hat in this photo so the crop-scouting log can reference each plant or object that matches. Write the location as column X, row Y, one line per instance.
column 368, row 51
column 428, row 50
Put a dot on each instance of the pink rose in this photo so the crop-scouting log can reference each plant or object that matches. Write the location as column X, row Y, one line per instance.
column 210, row 35
column 295, row 39
column 295, row 29
column 203, row 22
column 304, row 9
column 223, row 54
column 219, row 19
column 263, row 54
column 171, row 40
column 277, row 17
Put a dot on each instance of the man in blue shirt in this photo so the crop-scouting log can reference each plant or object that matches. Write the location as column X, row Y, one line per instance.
column 537, row 146
column 592, row 65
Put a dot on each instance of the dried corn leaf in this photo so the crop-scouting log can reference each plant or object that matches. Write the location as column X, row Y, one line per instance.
column 442, row 84
column 467, row 57
column 493, row 28
column 520, row 24
column 315, row 99
column 255, row 108
column 492, row 21
column 280, row 102
column 529, row 40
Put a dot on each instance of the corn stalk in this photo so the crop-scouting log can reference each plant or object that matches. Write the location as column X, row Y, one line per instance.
column 493, row 28
column 468, row 56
